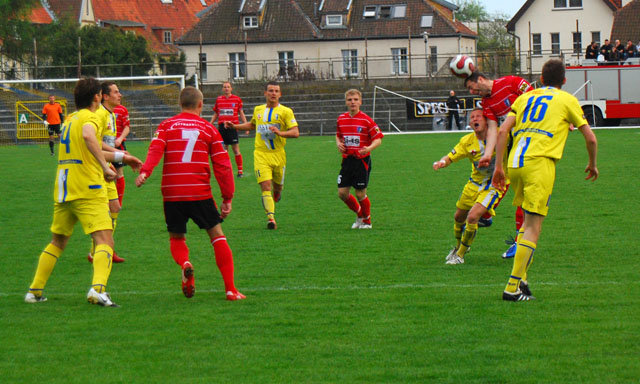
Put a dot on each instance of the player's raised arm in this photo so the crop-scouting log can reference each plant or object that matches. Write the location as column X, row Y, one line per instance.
column 498, row 179
column 445, row 161
column 492, row 135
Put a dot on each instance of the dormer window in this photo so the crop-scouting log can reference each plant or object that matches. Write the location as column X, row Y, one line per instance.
column 250, row 22
column 167, row 37
column 334, row 20
column 563, row 4
column 385, row 11
column 426, row 21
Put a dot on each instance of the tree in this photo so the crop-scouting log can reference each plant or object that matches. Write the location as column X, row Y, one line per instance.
column 16, row 32
column 102, row 49
column 174, row 64
column 471, row 10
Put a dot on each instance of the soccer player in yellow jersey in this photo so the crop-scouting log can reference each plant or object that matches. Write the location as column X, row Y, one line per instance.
column 479, row 196
column 274, row 123
column 540, row 121
column 79, row 195
column 111, row 98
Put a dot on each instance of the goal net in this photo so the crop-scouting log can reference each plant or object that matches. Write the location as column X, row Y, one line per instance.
column 149, row 99
column 415, row 111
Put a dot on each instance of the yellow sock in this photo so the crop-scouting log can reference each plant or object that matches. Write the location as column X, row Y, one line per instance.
column 521, row 262
column 101, row 267
column 467, row 238
column 457, row 231
column 47, row 261
column 268, row 204
column 519, row 234
column 114, row 219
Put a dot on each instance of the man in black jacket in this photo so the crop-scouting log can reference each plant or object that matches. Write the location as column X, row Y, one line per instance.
column 453, row 104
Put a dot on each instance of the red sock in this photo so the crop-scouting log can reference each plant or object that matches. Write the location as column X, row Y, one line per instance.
column 353, row 204
column 519, row 218
column 120, row 188
column 365, row 209
column 179, row 250
column 224, row 260
column 239, row 162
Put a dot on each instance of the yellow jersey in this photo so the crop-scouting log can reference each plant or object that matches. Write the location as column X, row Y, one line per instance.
column 107, row 125
column 263, row 117
column 469, row 147
column 79, row 175
column 542, row 123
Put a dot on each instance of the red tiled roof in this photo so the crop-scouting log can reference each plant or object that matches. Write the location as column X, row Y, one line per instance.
column 179, row 16
column 39, row 15
column 625, row 23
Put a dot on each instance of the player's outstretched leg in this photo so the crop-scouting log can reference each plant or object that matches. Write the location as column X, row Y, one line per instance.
column 521, row 262
column 365, row 206
column 224, row 261
column 180, row 254
column 46, row 263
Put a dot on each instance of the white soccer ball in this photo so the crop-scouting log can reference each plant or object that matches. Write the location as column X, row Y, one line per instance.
column 462, row 66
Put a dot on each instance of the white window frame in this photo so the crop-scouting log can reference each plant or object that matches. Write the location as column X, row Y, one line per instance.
column 370, row 12
column 392, row 11
column 168, row 37
column 399, row 61
column 249, row 22
column 237, row 65
column 350, row 62
column 399, row 11
column 334, row 20
column 567, row 4
column 536, row 48
column 286, row 62
column 555, row 46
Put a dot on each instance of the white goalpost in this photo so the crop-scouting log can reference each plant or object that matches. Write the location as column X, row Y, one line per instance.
column 403, row 114
column 149, row 99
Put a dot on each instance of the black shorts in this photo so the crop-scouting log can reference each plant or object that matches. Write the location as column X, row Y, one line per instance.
column 354, row 172
column 122, row 147
column 54, row 129
column 203, row 212
column 229, row 135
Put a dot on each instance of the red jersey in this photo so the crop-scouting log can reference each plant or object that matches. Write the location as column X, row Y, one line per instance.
column 187, row 142
column 122, row 119
column 357, row 132
column 227, row 108
column 504, row 92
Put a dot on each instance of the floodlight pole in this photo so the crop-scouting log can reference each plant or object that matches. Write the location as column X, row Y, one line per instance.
column 425, row 36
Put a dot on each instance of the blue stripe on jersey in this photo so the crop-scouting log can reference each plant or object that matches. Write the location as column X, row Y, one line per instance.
column 70, row 161
column 493, row 200
column 524, row 150
column 272, row 144
column 270, row 113
column 95, row 186
column 534, row 130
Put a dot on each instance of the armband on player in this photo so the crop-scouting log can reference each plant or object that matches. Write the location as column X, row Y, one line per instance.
column 118, row 157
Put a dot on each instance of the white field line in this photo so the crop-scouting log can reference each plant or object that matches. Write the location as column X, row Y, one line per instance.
column 346, row 288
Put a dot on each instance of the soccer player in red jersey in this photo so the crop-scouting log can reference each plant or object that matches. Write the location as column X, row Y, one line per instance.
column 122, row 131
column 228, row 107
column 497, row 97
column 187, row 142
column 356, row 136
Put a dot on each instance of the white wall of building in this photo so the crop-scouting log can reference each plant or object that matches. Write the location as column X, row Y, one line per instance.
column 542, row 18
column 324, row 58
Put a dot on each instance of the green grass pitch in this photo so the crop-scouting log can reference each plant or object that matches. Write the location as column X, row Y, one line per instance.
column 326, row 303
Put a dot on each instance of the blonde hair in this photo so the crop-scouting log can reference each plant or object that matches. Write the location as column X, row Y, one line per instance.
column 353, row 91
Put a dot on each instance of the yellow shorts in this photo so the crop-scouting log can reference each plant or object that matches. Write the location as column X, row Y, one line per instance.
column 93, row 214
column 488, row 198
column 112, row 191
column 533, row 184
column 270, row 166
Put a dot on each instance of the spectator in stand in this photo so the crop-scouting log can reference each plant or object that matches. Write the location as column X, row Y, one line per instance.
column 592, row 51
column 631, row 50
column 605, row 50
column 617, row 52
column 454, row 104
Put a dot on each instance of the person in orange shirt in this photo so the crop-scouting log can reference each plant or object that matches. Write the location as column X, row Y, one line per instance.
column 53, row 118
